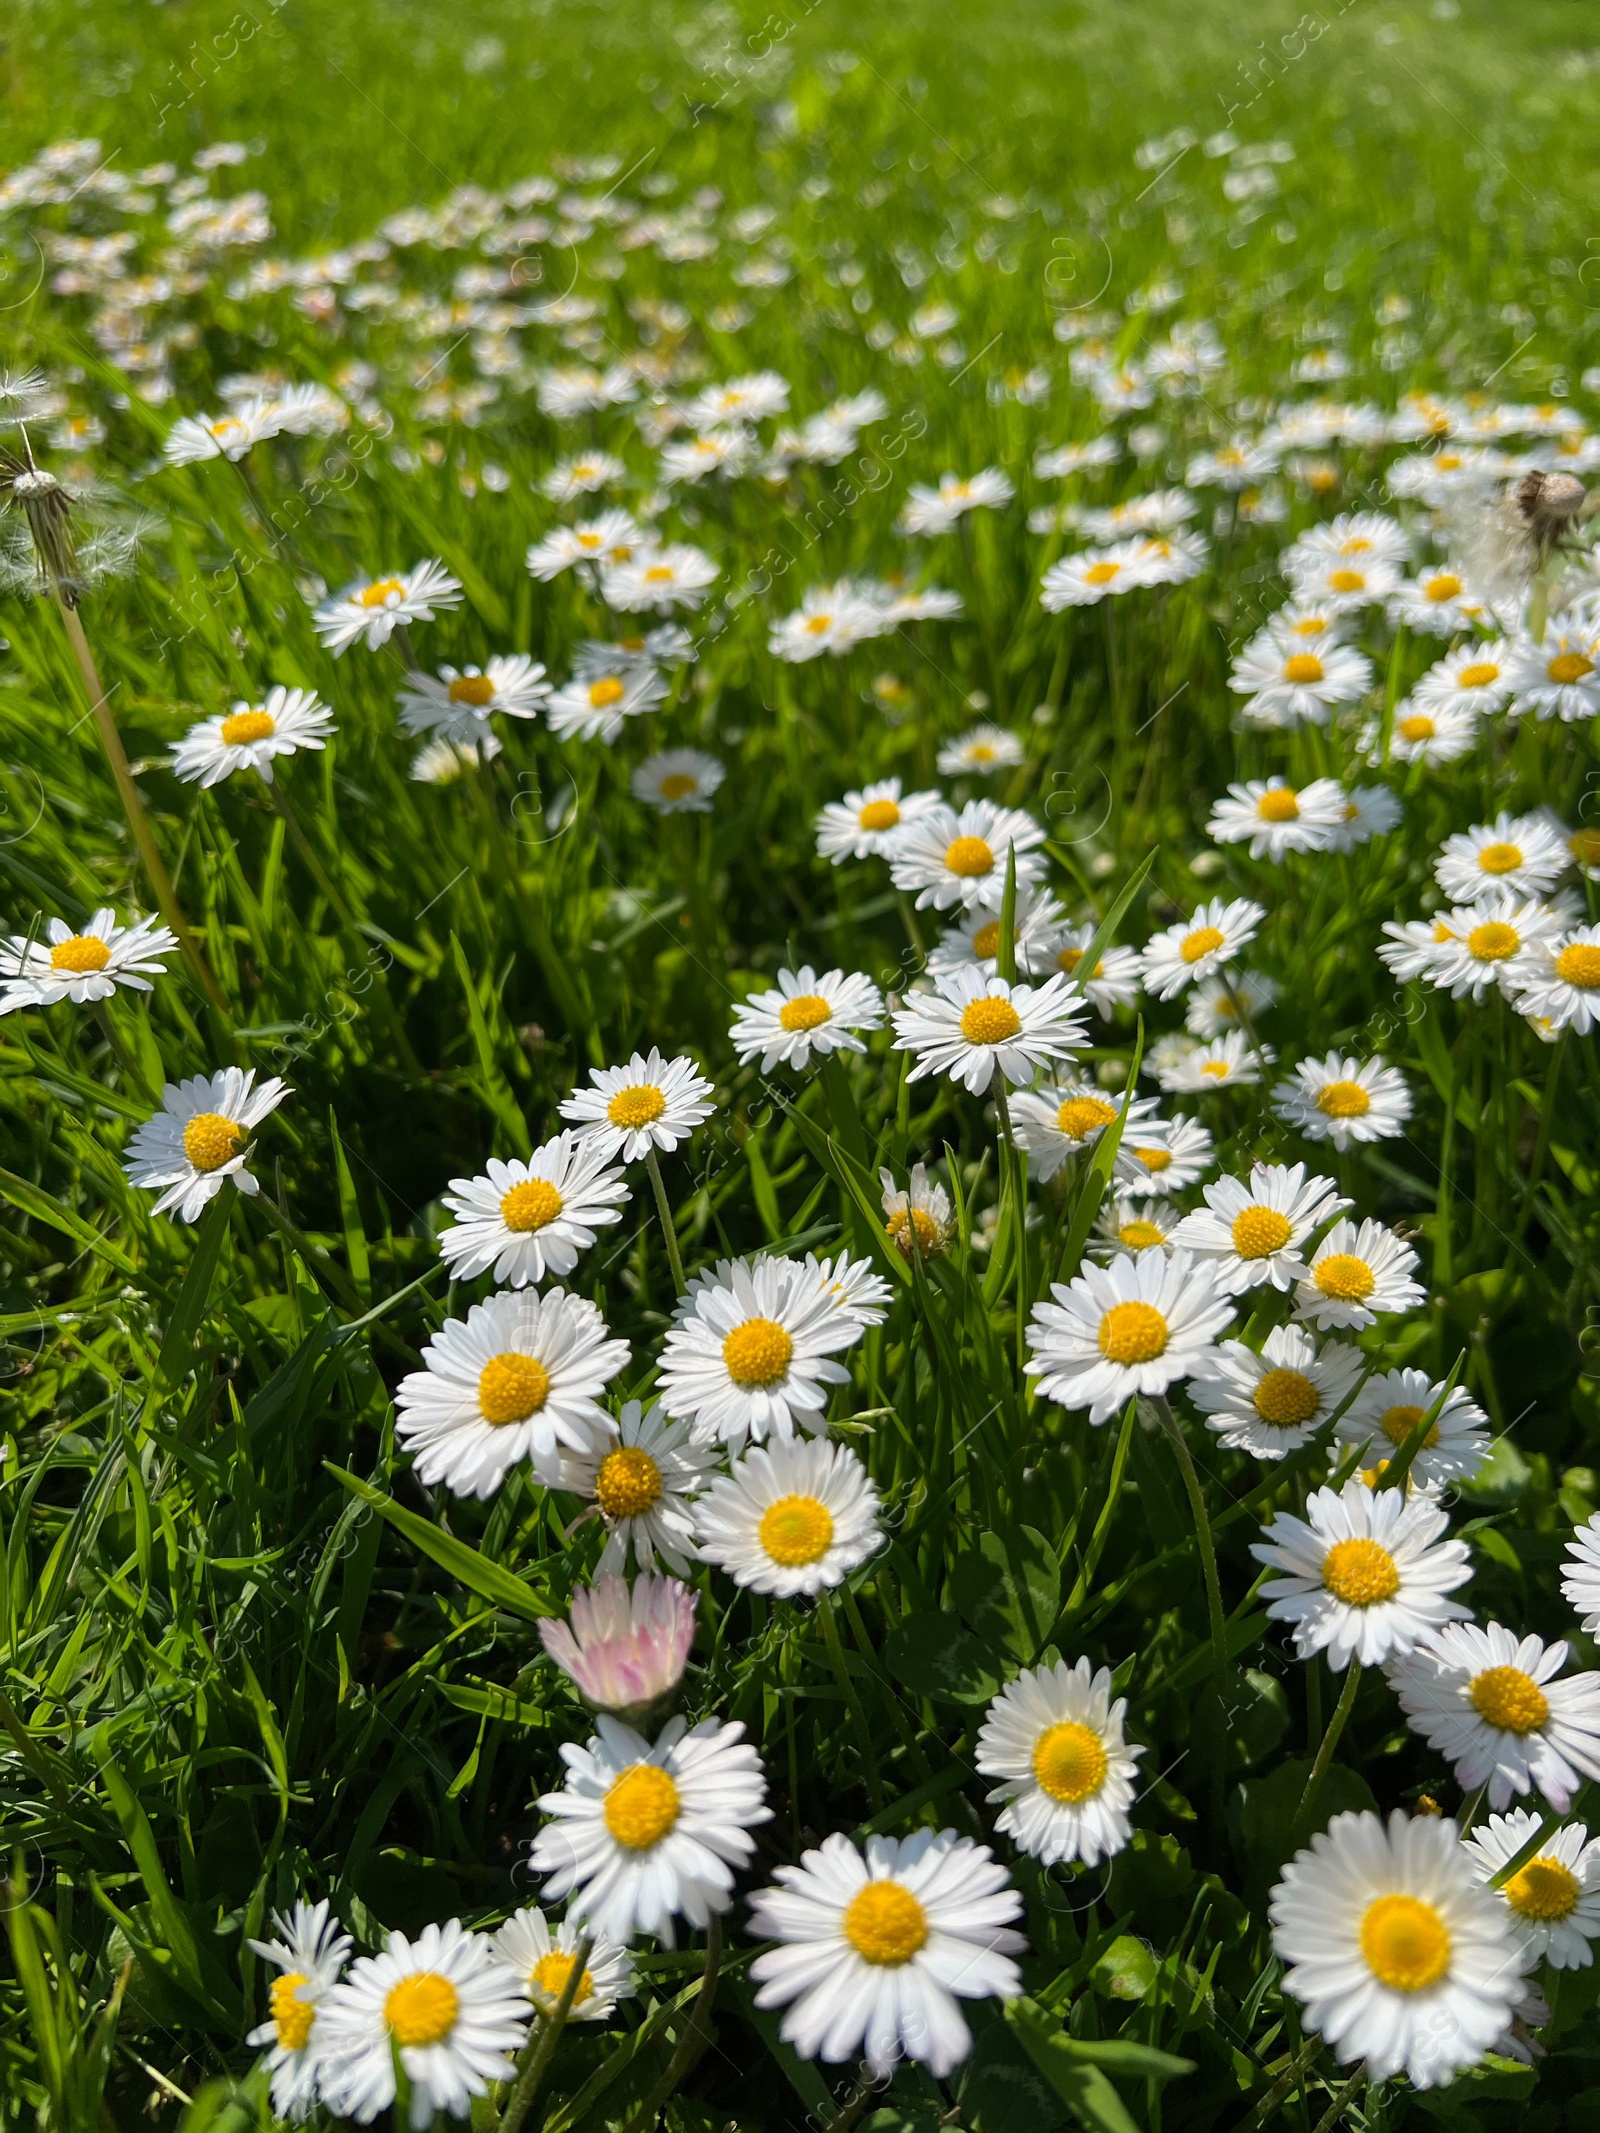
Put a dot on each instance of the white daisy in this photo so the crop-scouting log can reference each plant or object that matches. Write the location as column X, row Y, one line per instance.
column 1114, row 981
column 1268, row 1404
column 1345, row 583
column 1471, row 947
column 830, row 618
column 751, row 1354
column 1558, row 677
column 1233, row 1058
column 1556, row 981
column 642, row 1835
column 1554, row 1898
column 1437, row 601
column 371, row 609
column 1055, row 1737
column 456, row 700
column 864, row 824
column 1369, row 811
column 649, row 1103
column 309, row 1952
column 754, row 398
column 1425, row 733
column 1054, row 1124
column 1297, row 680
column 529, row 1219
column 1356, row 1275
column 519, row 1378
column 1390, row 1405
column 1135, row 1326
column 970, row 1026
column 1399, row 1955
column 1199, row 946
column 443, row 2005
column 1580, row 1584
column 658, row 580
column 950, row 858
column 806, row 1013
column 1276, row 818
column 610, row 538
column 1475, row 678
column 643, row 1486
column 1513, row 855
column 1342, row 1099
column 541, row 1962
column 1169, row 1154
column 200, row 1138
column 1366, row 1573
column 226, row 436
column 795, row 1516
column 979, row 753
column 1236, row 1001
column 593, row 706
column 249, row 736
column 446, row 759
column 855, row 1287
column 974, row 941
column 1489, row 1702
column 82, row 966
column 1251, row 1233
column 874, row 1952
column 1127, row 1225
column 930, row 511
column 582, row 476
column 1092, row 575
column 678, row 781
column 918, row 1218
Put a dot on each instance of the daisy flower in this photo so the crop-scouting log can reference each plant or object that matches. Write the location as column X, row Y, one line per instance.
column 370, row 610
column 1513, row 855
column 1426, row 733
column 830, row 618
column 1114, row 981
column 931, row 511
column 200, row 1138
column 1275, row 818
column 751, row 1353
column 1489, row 1702
column 1473, row 946
column 519, row 1378
column 1094, row 574
column 950, row 858
column 971, row 1025
column 874, row 1951
column 1367, row 1572
column 1200, row 1068
column 1054, row 1736
column 1269, row 1404
column 749, row 399
column 855, row 1287
column 529, row 1219
column 974, row 941
column 805, row 1014
column 1170, row 1154
column 980, row 752
column 249, row 736
column 610, row 538
column 541, row 1962
column 1342, row 1099
column 1135, row 1326
column 1557, row 981
column 443, row 2005
column 1356, row 1276
column 641, row 1835
column 1345, row 583
column 1475, row 679
column 1390, row 1406
column 228, row 436
column 919, row 1218
column 1369, row 811
column 678, row 781
column 1554, row 1898
column 643, row 1486
column 625, row 1649
column 571, row 478
column 1292, row 681
column 1558, row 677
column 1054, row 1124
column 445, row 759
column 1198, row 946
column 593, row 706
column 1397, row 1952
column 795, row 1516
column 457, row 698
column 1437, row 601
column 1251, row 1233
column 658, row 580
column 309, row 1953
column 82, row 966
column 1126, row 1225
column 1580, row 1586
column 1217, row 1005
column 864, row 824
column 649, row 1103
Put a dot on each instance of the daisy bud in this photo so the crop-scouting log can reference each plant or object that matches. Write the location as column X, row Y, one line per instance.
column 625, row 1650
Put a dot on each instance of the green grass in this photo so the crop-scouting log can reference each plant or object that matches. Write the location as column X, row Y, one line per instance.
column 245, row 1654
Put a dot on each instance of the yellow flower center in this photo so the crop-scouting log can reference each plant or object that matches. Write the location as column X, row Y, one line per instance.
column 1344, row 1277
column 1543, row 1890
column 796, row 1530
column 1302, row 667
column 1155, row 1160
column 548, row 1979
column 1405, row 1942
column 968, row 857
column 658, row 574
column 879, row 815
column 1443, row 587
column 291, row 2017
column 1360, row 1572
column 1101, row 573
column 638, row 1106
column 421, row 2009
column 1258, row 1232
column 1310, row 626
column 817, row 624
column 1479, row 675
column 1500, row 858
column 606, row 692
column 986, row 941
column 628, row 1483
column 1216, row 1068
column 1493, row 942
column 885, row 1924
column 641, row 1806
column 531, row 1205
column 381, row 591
column 1139, row 1235
column 82, row 953
column 1354, row 544
column 805, row 1011
column 1347, row 581
column 678, row 786
column 1508, row 1699
column 913, row 1226
column 1070, row 1763
column 511, row 1387
column 1204, row 941
column 1577, row 964
column 1080, row 1116
column 1132, row 1333
column 1343, row 1099
column 1286, row 1398
column 757, row 1353
column 1070, row 958
column 981, row 752
column 1569, row 667
column 1397, row 1423
column 474, row 689
column 1418, row 727
column 209, row 1140
column 1278, row 804
column 240, row 728
column 989, row 1021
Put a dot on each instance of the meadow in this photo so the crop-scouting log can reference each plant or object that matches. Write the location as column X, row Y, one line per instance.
column 877, row 730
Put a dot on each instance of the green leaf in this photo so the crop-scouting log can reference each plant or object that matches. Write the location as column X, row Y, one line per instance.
column 1076, row 2068
column 933, row 1655
column 1127, row 1970
column 1008, row 1589
column 493, row 1086
column 177, row 1346
column 464, row 1562
column 166, row 1912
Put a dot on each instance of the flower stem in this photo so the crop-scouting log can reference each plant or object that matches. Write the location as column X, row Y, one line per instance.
column 693, row 2042
column 122, row 1053
column 830, row 1637
column 1324, row 1756
column 1202, row 1526
column 541, row 2046
column 669, row 1228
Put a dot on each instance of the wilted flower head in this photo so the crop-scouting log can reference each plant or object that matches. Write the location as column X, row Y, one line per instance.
column 70, row 538
column 625, row 1650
